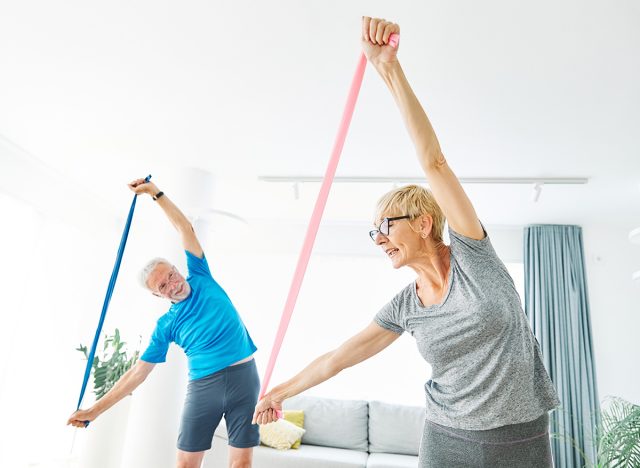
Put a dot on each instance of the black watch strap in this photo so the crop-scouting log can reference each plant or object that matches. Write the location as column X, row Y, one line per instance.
column 158, row 195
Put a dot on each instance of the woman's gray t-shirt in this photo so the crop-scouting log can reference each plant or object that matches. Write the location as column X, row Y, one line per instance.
column 487, row 367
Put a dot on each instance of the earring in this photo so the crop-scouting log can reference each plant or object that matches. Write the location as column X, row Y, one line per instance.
column 423, row 235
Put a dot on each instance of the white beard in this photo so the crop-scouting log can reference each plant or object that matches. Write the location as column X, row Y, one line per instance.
column 182, row 296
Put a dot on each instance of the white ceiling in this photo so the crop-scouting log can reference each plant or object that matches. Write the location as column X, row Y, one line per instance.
column 107, row 91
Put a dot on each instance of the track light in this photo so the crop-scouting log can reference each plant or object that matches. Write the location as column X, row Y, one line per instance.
column 537, row 190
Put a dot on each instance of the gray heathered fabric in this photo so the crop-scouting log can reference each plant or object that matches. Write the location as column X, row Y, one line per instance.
column 487, row 367
column 524, row 445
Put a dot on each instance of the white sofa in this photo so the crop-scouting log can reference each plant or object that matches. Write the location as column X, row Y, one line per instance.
column 340, row 434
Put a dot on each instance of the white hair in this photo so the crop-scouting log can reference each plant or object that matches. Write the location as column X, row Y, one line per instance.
column 150, row 266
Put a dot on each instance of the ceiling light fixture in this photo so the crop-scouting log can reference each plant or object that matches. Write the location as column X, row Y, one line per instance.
column 537, row 189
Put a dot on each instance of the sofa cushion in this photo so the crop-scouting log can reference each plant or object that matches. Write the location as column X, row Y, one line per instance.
column 333, row 423
column 395, row 428
column 308, row 456
column 297, row 418
column 280, row 434
column 389, row 460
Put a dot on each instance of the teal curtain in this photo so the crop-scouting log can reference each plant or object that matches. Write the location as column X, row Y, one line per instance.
column 557, row 306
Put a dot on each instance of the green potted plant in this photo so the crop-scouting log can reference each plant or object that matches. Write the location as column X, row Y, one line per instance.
column 617, row 437
column 111, row 364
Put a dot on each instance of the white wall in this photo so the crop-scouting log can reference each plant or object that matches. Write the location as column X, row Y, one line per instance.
column 615, row 308
column 50, row 299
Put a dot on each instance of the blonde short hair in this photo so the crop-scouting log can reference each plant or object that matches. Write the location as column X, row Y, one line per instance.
column 415, row 201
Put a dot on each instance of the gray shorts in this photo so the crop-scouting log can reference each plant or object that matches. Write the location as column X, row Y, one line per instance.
column 231, row 392
column 523, row 445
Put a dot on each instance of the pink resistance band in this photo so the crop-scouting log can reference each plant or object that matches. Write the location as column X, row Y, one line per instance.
column 314, row 224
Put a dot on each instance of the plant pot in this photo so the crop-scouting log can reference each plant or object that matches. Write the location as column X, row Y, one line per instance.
column 103, row 441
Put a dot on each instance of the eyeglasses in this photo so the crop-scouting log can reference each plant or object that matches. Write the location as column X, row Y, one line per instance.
column 163, row 287
column 384, row 227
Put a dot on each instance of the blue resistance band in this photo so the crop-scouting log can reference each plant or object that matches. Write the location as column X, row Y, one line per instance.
column 107, row 299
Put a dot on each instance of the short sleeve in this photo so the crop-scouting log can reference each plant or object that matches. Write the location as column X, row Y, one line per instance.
column 389, row 317
column 156, row 352
column 463, row 246
column 197, row 266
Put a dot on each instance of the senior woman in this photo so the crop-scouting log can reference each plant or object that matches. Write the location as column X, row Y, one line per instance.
column 488, row 399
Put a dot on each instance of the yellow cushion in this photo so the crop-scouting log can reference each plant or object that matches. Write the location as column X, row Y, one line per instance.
column 280, row 434
column 297, row 418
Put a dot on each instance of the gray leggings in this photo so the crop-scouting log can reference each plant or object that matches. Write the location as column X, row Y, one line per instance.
column 523, row 445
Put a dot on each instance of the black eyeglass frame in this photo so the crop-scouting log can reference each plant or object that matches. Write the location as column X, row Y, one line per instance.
column 383, row 228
